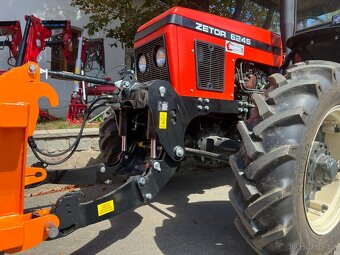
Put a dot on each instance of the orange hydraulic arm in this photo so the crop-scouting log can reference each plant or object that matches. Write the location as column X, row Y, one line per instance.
column 18, row 116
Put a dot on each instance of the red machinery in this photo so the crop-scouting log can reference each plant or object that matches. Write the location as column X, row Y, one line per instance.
column 38, row 34
column 89, row 51
column 11, row 32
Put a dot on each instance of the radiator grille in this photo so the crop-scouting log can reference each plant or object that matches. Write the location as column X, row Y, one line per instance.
column 152, row 72
column 209, row 66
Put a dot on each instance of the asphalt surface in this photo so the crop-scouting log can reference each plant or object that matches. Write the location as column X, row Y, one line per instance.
column 191, row 215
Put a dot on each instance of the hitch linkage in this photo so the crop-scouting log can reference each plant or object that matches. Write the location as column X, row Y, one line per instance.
column 140, row 189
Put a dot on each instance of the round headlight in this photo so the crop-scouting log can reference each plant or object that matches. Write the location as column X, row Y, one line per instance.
column 160, row 57
column 142, row 64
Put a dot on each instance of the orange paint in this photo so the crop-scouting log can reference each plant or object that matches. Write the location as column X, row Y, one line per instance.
column 20, row 91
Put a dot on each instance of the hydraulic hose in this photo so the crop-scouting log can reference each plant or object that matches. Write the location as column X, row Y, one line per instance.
column 75, row 144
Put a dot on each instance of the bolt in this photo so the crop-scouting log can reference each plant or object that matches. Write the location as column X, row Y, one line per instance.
column 179, row 152
column 240, row 103
column 200, row 100
column 102, row 169
column 142, row 181
column 240, row 109
column 126, row 84
column 157, row 166
column 199, row 107
column 126, row 156
column 206, row 100
column 31, row 69
column 148, row 196
column 191, row 90
column 206, row 108
column 324, row 207
column 162, row 90
column 108, row 182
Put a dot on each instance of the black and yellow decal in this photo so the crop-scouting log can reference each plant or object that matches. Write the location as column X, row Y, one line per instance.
column 105, row 208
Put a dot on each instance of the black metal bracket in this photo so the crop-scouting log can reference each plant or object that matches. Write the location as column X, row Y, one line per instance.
column 137, row 190
column 171, row 113
column 96, row 174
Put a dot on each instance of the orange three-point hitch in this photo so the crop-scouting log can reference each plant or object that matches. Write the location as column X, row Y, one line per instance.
column 20, row 90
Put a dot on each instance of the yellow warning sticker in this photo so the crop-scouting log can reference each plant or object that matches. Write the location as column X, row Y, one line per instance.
column 105, row 208
column 163, row 116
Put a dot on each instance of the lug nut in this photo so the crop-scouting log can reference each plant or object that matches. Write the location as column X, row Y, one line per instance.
column 199, row 107
column 156, row 165
column 206, row 108
column 206, row 100
column 148, row 196
column 179, row 152
column 200, row 100
column 142, row 181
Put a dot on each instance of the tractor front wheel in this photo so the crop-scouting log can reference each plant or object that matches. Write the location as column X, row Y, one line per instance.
column 287, row 192
column 109, row 139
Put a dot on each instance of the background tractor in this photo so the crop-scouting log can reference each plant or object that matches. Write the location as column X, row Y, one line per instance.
column 198, row 76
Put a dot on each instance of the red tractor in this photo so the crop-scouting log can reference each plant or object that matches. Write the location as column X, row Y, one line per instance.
column 200, row 77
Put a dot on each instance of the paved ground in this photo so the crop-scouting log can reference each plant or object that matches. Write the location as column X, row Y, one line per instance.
column 192, row 215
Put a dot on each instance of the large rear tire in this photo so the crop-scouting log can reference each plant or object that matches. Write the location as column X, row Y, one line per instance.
column 272, row 195
column 109, row 139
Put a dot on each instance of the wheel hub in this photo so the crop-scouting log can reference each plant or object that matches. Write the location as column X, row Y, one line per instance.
column 322, row 179
column 322, row 169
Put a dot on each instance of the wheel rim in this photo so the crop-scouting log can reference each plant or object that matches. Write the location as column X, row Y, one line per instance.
column 322, row 197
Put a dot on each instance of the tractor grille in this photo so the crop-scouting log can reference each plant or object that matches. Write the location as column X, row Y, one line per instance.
column 152, row 72
column 209, row 66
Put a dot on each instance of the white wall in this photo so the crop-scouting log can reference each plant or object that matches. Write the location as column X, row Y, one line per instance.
column 61, row 9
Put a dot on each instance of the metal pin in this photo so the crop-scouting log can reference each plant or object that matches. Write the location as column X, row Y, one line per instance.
column 52, row 230
column 153, row 152
column 124, row 147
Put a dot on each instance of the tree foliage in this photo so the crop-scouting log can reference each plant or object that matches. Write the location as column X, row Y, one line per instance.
column 131, row 13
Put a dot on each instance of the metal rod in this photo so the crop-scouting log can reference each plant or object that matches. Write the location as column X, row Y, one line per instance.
column 153, row 149
column 83, row 88
column 78, row 66
column 78, row 77
column 22, row 48
column 124, row 146
column 207, row 154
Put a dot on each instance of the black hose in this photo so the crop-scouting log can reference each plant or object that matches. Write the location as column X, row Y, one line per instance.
column 35, row 152
column 32, row 144
column 75, row 144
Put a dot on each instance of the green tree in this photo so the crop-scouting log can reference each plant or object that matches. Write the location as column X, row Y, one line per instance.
column 131, row 13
